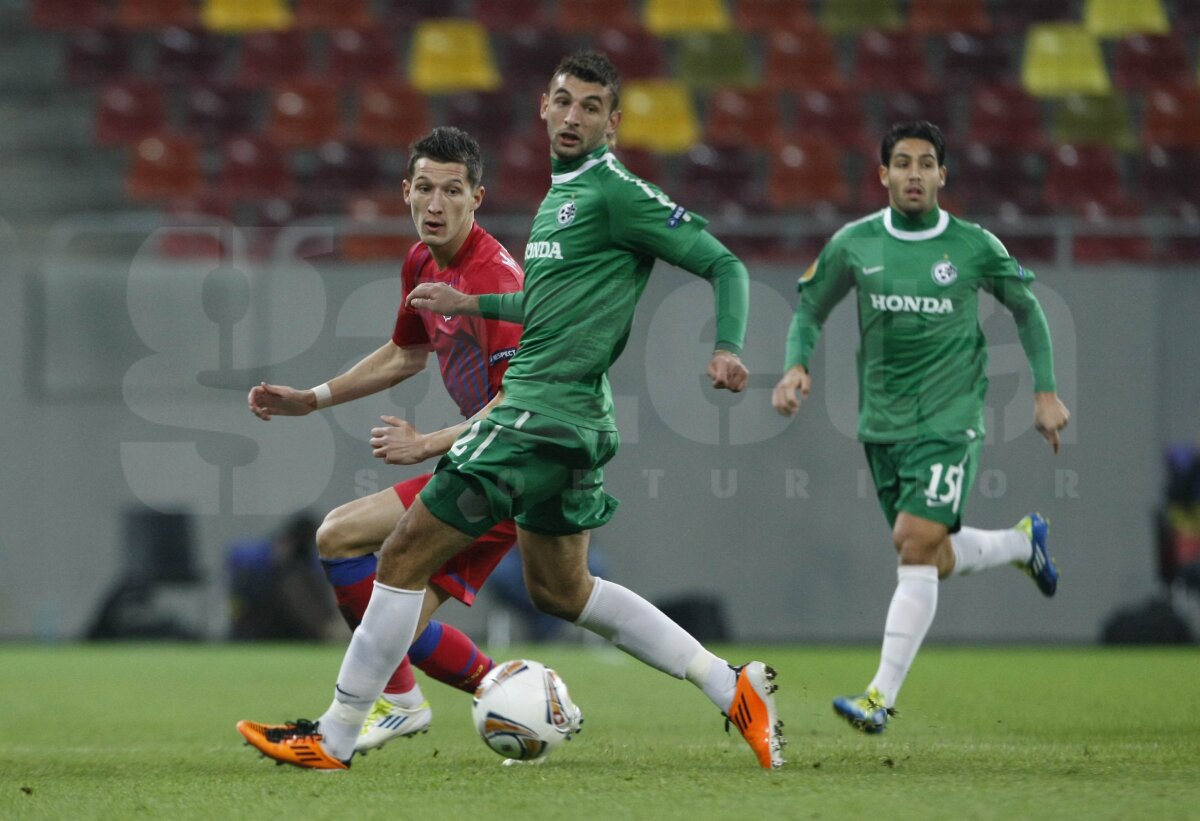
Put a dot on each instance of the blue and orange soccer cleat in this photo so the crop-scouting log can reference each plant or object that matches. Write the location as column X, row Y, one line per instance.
column 1040, row 567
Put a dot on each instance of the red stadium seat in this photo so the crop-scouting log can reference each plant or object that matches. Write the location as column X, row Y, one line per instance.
column 1018, row 15
column 127, row 110
column 69, row 14
column 587, row 16
column 254, row 168
column 642, row 163
column 490, row 116
column 391, row 113
column 524, row 168
column 1167, row 177
column 270, row 57
column 1172, row 117
column 183, row 55
column 317, row 15
column 1102, row 240
column 726, row 181
column 530, row 55
column 500, row 16
column 740, row 116
column 215, row 112
column 96, row 55
column 360, row 54
column 945, row 16
column 303, row 113
column 345, row 168
column 971, row 59
column 891, row 61
column 156, row 14
column 983, row 177
column 368, row 240
column 639, row 54
column 796, row 61
column 1077, row 175
column 164, row 166
column 765, row 16
column 1006, row 115
column 1145, row 61
column 806, row 173
column 836, row 115
column 933, row 106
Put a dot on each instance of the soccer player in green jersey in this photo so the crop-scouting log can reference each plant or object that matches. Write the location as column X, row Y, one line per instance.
column 538, row 456
column 922, row 379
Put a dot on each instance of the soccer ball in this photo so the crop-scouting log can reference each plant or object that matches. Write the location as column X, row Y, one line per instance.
column 522, row 710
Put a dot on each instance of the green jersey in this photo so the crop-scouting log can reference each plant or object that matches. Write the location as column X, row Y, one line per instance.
column 592, row 245
column 922, row 357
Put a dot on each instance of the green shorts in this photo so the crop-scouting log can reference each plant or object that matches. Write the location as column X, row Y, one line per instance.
column 516, row 464
column 929, row 478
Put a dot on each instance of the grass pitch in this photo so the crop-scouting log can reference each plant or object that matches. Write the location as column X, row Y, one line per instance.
column 146, row 731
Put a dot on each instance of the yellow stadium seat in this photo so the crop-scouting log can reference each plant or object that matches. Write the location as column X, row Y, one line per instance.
column 852, row 16
column 709, row 61
column 669, row 17
column 1062, row 59
column 1093, row 120
column 452, row 55
column 659, row 115
column 1120, row 18
column 246, row 15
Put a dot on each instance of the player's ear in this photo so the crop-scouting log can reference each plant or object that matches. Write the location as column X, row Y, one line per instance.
column 405, row 187
column 614, row 120
column 883, row 174
column 942, row 176
column 477, row 196
column 544, row 106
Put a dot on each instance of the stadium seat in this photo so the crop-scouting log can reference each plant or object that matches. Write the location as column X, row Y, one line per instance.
column 933, row 106
column 403, row 15
column 269, row 57
column 806, row 173
column 587, row 16
column 1142, row 61
column 667, row 18
column 239, row 16
column 1118, row 18
column 303, row 113
column 946, row 16
column 1172, row 117
column 738, row 116
column 639, row 54
column 1077, row 175
column 837, row 115
column 491, row 117
column 65, row 15
column 1167, row 177
column 1103, row 234
column 382, row 229
column 722, row 181
column 659, row 115
column 1061, row 59
column 215, row 112
column 164, row 166
column 183, row 55
column 530, row 55
column 1005, row 115
column 254, row 167
column 500, row 16
column 360, row 54
column 450, row 55
column 765, row 16
column 1093, row 120
column 641, row 162
column 796, row 61
column 127, row 111
column 96, row 55
column 970, row 59
column 522, row 179
column 343, row 168
column 983, row 177
column 391, row 114
column 840, row 17
column 1017, row 16
column 155, row 14
column 1025, row 242
column 318, row 15
column 708, row 61
column 890, row 61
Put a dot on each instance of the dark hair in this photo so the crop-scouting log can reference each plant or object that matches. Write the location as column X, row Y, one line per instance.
column 592, row 67
column 448, row 144
column 915, row 129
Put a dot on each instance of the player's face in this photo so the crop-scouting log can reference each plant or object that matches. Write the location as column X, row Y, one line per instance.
column 443, row 204
column 578, row 115
column 913, row 177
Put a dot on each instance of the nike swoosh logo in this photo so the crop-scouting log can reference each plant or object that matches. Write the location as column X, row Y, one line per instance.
column 869, row 271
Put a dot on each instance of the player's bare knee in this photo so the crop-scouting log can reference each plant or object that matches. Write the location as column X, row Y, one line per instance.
column 556, row 601
column 331, row 538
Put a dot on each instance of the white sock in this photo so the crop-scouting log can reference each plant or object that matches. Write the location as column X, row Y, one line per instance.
column 909, row 616
column 644, row 632
column 376, row 648
column 982, row 549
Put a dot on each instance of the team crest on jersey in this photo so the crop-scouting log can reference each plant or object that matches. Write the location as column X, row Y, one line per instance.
column 566, row 213
column 944, row 272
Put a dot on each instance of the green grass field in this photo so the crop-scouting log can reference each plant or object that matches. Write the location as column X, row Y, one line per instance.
column 147, row 731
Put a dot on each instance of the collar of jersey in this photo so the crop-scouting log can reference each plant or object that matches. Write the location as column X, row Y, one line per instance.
column 928, row 225
column 561, row 172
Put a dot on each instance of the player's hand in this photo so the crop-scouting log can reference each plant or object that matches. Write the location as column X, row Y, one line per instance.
column 399, row 443
column 441, row 299
column 1050, row 416
column 727, row 371
column 783, row 398
column 279, row 400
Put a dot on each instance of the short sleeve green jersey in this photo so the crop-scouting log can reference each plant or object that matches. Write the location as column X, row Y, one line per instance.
column 922, row 357
column 592, row 245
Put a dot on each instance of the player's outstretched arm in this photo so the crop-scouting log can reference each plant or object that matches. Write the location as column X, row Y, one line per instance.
column 442, row 299
column 783, row 398
column 1050, row 416
column 399, row 443
column 268, row 400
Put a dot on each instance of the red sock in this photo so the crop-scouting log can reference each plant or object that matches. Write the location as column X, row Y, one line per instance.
column 352, row 581
column 448, row 655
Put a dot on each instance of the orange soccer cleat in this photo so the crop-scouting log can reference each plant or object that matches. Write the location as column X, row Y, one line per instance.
column 753, row 713
column 298, row 744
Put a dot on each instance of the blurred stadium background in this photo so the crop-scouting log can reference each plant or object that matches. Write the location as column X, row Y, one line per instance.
column 200, row 194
